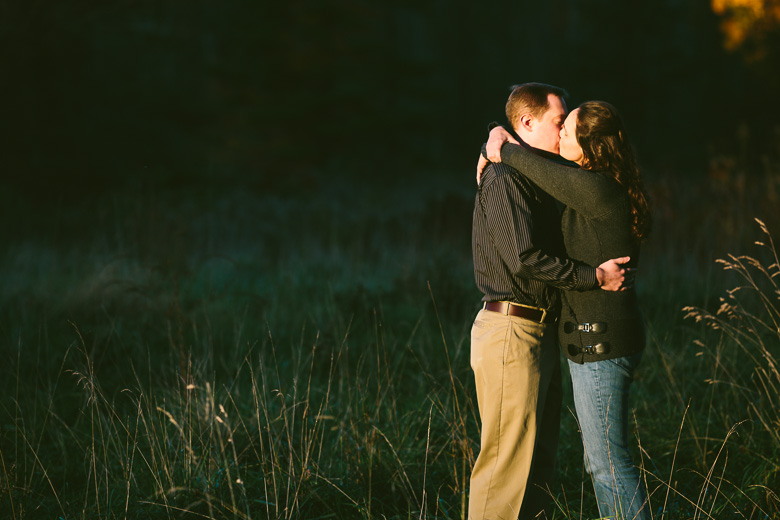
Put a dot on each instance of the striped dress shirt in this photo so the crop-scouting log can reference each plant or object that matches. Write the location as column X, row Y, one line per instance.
column 517, row 243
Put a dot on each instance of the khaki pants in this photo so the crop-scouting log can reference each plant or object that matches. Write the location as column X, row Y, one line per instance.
column 518, row 380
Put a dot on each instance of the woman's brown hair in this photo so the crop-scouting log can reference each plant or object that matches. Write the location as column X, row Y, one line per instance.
column 605, row 147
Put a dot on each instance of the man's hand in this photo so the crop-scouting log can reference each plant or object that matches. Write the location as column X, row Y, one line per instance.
column 613, row 276
column 498, row 136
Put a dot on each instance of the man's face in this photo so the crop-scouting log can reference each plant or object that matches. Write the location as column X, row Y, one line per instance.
column 547, row 128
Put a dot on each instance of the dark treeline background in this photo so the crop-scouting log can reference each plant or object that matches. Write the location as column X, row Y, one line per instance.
column 97, row 95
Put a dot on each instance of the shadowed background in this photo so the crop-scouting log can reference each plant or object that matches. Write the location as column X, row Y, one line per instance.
column 97, row 95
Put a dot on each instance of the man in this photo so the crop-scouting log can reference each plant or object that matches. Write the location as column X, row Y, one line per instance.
column 519, row 265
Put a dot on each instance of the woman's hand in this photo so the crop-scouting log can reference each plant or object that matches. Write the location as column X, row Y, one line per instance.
column 498, row 136
column 496, row 139
column 481, row 166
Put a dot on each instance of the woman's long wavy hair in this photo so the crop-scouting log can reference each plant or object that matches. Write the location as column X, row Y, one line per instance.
column 605, row 147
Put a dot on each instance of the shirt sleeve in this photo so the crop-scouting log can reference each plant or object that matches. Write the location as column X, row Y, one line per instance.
column 589, row 193
column 509, row 219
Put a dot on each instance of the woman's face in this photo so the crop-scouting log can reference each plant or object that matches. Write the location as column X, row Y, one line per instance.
column 569, row 148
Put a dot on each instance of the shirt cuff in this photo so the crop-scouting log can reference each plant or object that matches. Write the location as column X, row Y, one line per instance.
column 587, row 279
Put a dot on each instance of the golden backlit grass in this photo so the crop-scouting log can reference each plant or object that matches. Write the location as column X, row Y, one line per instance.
column 248, row 355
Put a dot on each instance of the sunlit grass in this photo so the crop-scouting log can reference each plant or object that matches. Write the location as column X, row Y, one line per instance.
column 237, row 354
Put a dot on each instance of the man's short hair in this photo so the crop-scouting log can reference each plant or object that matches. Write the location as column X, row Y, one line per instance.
column 530, row 98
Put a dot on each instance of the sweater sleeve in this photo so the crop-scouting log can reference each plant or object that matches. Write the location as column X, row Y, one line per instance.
column 589, row 193
column 511, row 227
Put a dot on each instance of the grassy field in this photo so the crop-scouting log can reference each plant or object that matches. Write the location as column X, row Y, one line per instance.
column 223, row 351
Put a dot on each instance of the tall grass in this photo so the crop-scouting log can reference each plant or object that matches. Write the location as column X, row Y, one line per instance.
column 240, row 354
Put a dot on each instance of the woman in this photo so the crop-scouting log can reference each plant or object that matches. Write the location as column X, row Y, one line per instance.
column 602, row 333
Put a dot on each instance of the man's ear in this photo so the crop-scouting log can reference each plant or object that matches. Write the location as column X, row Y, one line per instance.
column 527, row 122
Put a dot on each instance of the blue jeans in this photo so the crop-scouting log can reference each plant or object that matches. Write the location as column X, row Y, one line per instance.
column 601, row 400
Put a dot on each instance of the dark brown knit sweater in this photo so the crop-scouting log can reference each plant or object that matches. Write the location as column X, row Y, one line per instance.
column 596, row 227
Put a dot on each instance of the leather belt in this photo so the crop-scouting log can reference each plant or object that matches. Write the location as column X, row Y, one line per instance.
column 522, row 311
column 597, row 327
column 597, row 349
